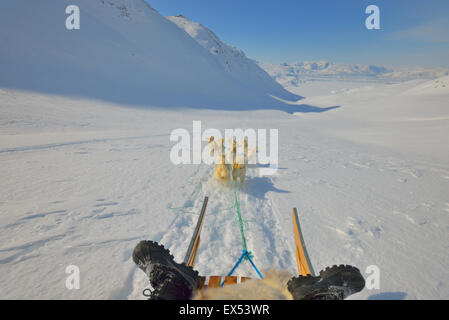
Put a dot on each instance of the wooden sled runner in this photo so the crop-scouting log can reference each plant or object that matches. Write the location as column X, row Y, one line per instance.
column 302, row 257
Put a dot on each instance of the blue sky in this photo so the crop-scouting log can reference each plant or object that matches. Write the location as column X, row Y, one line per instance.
column 413, row 32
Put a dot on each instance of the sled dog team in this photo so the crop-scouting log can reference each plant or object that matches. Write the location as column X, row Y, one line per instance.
column 230, row 164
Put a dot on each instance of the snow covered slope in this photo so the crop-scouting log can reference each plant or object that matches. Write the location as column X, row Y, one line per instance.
column 125, row 52
column 84, row 181
column 437, row 86
column 232, row 59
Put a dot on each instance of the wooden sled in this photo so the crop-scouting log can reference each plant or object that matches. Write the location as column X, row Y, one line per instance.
column 302, row 257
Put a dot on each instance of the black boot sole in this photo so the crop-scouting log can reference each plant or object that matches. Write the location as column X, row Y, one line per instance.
column 160, row 266
column 333, row 283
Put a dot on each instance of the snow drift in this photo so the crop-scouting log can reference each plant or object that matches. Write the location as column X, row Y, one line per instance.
column 125, row 52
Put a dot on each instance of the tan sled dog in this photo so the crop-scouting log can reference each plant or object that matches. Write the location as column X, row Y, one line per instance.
column 215, row 146
column 239, row 172
column 211, row 145
column 239, row 162
column 222, row 170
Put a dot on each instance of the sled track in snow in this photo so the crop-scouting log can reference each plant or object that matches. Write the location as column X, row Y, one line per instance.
column 73, row 143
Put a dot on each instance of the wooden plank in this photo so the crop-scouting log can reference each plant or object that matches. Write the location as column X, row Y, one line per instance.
column 302, row 258
column 230, row 280
column 192, row 251
column 214, row 281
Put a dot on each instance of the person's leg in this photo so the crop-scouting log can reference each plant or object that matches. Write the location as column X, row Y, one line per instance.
column 333, row 283
column 170, row 280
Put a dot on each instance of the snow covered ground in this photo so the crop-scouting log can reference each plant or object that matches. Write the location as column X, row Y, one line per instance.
column 83, row 181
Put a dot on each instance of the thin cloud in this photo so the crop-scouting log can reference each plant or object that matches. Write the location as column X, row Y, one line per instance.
column 431, row 32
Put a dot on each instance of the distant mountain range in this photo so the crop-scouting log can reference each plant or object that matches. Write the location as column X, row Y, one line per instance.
column 289, row 74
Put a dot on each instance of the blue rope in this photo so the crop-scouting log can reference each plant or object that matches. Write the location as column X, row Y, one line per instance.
column 245, row 255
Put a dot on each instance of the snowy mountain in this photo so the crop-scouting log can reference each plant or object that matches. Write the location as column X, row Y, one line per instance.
column 124, row 52
column 294, row 73
column 232, row 59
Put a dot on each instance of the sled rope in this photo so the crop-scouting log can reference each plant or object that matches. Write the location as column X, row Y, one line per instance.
column 246, row 255
column 239, row 216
